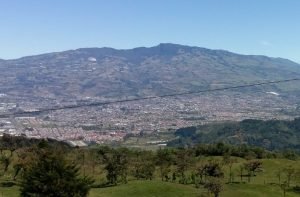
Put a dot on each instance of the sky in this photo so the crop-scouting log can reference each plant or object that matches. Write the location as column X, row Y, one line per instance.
column 262, row 27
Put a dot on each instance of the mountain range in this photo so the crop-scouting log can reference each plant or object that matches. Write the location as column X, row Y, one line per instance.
column 89, row 73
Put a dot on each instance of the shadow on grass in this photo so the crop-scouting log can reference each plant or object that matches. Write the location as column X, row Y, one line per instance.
column 103, row 185
column 236, row 182
column 296, row 189
column 8, row 184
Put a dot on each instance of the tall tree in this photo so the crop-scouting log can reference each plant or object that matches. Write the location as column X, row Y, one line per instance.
column 289, row 173
column 143, row 165
column 5, row 161
column 229, row 161
column 164, row 161
column 183, row 161
column 214, row 185
column 251, row 167
column 51, row 175
column 116, row 164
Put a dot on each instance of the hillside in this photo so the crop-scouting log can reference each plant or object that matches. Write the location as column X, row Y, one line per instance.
column 165, row 172
column 108, row 72
column 271, row 134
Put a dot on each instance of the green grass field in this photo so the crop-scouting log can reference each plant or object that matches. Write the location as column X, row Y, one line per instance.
column 163, row 189
column 159, row 189
column 264, row 184
column 146, row 189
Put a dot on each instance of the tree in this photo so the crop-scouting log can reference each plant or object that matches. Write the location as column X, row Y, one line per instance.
column 228, row 160
column 51, row 175
column 164, row 161
column 200, row 172
column 174, row 177
column 143, row 165
column 241, row 172
column 93, row 159
column 289, row 154
column 116, row 164
column 214, row 185
column 278, row 173
column 284, row 187
column 183, row 160
column 25, row 158
column 289, row 172
column 251, row 167
column 5, row 161
column 213, row 169
column 9, row 142
column 112, row 172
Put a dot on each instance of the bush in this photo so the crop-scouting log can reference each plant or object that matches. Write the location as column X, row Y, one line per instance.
column 51, row 176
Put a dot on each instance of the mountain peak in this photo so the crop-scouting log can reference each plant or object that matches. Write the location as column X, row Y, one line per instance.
column 156, row 70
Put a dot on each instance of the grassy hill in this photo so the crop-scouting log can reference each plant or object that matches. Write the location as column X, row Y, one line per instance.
column 164, row 172
column 147, row 189
column 158, row 189
column 265, row 183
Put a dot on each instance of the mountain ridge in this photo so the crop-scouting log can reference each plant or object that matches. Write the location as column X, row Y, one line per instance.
column 162, row 69
column 149, row 48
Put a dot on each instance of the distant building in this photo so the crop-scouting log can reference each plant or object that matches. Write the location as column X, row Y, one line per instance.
column 77, row 143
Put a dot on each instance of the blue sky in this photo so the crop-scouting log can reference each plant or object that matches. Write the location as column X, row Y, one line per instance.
column 266, row 27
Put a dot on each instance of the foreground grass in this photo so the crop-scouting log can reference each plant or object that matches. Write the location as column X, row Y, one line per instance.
column 250, row 190
column 9, row 191
column 146, row 189
column 132, row 189
column 164, row 189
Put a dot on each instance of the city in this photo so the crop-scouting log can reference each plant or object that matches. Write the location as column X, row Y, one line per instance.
column 112, row 122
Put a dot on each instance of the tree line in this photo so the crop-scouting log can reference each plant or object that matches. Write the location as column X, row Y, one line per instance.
column 269, row 134
column 50, row 168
